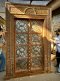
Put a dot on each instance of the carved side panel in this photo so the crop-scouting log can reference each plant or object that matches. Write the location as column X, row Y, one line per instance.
column 49, row 42
column 21, row 41
column 8, row 45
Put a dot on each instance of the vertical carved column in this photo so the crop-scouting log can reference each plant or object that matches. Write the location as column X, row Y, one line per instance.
column 12, row 41
column 45, row 45
column 8, row 44
column 49, row 42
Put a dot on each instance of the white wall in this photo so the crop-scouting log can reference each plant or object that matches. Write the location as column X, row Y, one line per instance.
column 55, row 24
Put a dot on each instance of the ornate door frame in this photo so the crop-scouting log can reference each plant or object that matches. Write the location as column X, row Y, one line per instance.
column 15, row 11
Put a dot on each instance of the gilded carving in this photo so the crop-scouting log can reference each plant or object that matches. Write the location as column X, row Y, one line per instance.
column 30, row 10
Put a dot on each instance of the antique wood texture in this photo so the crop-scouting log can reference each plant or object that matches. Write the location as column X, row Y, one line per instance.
column 8, row 45
column 30, row 13
column 49, row 37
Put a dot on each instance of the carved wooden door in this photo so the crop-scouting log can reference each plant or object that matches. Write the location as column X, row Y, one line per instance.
column 28, row 46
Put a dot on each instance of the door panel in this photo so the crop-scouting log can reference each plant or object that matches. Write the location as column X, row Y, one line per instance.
column 28, row 45
column 36, row 45
column 21, row 50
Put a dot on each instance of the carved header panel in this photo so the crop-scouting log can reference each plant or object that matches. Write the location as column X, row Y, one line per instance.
column 27, row 9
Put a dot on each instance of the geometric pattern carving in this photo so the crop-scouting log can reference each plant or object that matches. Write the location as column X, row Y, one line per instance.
column 28, row 43
column 21, row 39
column 21, row 51
column 36, row 62
column 36, row 50
column 36, row 39
column 36, row 26
column 21, row 64
column 21, row 26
